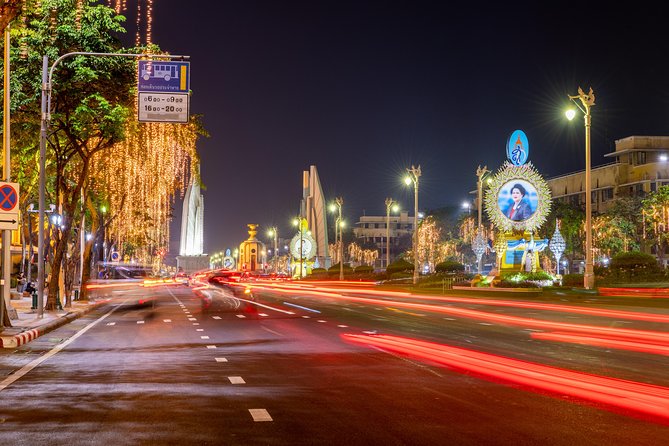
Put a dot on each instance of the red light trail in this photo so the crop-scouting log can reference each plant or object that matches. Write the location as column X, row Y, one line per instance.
column 629, row 395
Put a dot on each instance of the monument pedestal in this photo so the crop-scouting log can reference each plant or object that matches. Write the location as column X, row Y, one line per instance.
column 191, row 264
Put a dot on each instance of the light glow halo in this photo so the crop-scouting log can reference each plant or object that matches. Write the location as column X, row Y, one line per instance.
column 507, row 173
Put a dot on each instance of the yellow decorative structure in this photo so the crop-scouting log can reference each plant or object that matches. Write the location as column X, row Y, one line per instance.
column 252, row 252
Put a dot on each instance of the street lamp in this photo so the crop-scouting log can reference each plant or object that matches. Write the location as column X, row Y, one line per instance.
column 273, row 232
column 413, row 175
column 586, row 102
column 390, row 205
column 339, row 224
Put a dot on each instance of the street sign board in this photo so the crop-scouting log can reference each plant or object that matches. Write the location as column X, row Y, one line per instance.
column 162, row 107
column 115, row 257
column 163, row 76
column 9, row 197
column 9, row 220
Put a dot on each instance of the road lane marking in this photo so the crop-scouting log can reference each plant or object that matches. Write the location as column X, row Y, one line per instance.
column 31, row 365
column 199, row 329
column 192, row 318
column 167, row 320
column 196, row 323
column 321, row 320
column 111, row 323
column 342, row 326
column 260, row 415
column 204, row 337
column 306, row 317
column 221, row 359
column 140, row 322
column 236, row 380
column 301, row 307
column 271, row 331
column 216, row 317
column 211, row 346
column 241, row 316
column 262, row 314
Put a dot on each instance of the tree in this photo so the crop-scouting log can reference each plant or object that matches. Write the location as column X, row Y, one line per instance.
column 90, row 103
column 9, row 10
column 655, row 214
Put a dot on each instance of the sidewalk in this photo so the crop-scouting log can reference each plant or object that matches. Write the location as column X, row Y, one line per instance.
column 29, row 326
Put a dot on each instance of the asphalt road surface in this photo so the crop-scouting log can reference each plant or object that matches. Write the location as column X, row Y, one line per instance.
column 304, row 366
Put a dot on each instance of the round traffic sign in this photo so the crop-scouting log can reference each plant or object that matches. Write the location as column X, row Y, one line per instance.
column 8, row 197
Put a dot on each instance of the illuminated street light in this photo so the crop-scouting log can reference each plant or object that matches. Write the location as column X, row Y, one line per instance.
column 273, row 232
column 391, row 205
column 339, row 224
column 586, row 102
column 412, row 177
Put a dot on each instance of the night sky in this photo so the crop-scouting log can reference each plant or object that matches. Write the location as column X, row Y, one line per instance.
column 365, row 89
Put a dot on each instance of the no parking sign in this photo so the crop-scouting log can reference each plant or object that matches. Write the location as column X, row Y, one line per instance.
column 9, row 200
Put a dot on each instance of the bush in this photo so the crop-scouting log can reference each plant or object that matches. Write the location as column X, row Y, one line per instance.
column 400, row 275
column 318, row 271
column 633, row 260
column 400, row 265
column 634, row 267
column 365, row 269
column 572, row 280
column 335, row 268
column 449, row 266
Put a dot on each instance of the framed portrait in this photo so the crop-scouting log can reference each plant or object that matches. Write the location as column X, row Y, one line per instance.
column 517, row 199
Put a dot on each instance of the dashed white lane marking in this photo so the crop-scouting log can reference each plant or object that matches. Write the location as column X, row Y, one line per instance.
column 370, row 332
column 31, row 365
column 211, row 346
column 262, row 314
column 111, row 323
column 271, row 331
column 449, row 319
column 199, row 329
column 484, row 323
column 260, row 415
column 140, row 322
column 216, row 317
column 342, row 326
column 192, row 318
column 321, row 320
column 236, row 380
column 307, row 317
column 167, row 320
column 221, row 359
column 196, row 323
column 204, row 337
column 241, row 316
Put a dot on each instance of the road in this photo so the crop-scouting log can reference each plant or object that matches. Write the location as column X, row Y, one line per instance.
column 332, row 365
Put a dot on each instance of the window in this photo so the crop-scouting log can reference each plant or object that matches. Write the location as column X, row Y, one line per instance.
column 607, row 194
column 639, row 158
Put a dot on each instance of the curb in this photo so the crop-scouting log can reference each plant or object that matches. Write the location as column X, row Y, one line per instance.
column 19, row 339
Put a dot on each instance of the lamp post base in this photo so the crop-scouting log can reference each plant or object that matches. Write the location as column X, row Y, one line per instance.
column 589, row 280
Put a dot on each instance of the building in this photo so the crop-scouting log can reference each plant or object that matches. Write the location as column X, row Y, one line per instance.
column 640, row 166
column 372, row 229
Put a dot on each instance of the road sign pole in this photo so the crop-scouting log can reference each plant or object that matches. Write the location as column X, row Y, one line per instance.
column 6, row 234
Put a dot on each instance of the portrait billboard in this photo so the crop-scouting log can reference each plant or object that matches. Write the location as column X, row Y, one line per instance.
column 517, row 199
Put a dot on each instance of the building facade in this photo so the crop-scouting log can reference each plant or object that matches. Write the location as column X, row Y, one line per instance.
column 640, row 165
column 372, row 229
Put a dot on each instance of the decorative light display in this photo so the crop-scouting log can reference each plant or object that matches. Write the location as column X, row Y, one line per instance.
column 557, row 245
column 479, row 247
column 362, row 256
column 140, row 177
column 507, row 173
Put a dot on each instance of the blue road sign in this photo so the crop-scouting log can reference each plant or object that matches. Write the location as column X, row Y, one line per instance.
column 8, row 197
column 163, row 76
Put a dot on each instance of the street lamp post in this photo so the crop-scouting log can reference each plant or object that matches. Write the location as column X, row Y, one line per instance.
column 587, row 102
column 413, row 175
column 339, row 201
column 273, row 232
column 390, row 205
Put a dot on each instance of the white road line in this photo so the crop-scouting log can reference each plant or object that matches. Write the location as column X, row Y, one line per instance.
column 271, row 331
column 221, row 359
column 484, row 323
column 307, row 317
column 199, row 329
column 216, row 317
column 31, row 365
column 321, row 321
column 211, row 346
column 192, row 318
column 342, row 326
column 204, row 337
column 140, row 322
column 241, row 316
column 236, row 380
column 260, row 415
column 196, row 323
column 301, row 307
column 111, row 323
column 167, row 320
column 262, row 314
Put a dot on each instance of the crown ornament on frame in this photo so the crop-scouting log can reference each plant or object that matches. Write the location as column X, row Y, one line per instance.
column 499, row 184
